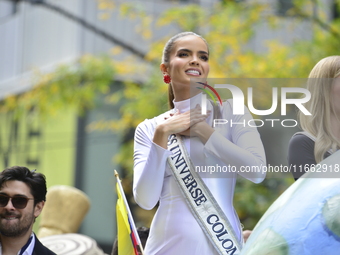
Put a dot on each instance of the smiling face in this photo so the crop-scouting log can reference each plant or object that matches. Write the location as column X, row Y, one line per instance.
column 188, row 59
column 18, row 222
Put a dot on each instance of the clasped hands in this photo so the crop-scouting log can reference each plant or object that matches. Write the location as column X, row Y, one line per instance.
column 189, row 123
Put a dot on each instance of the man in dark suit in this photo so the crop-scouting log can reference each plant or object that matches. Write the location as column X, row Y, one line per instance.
column 22, row 198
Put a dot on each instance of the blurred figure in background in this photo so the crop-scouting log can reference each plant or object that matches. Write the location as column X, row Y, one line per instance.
column 321, row 130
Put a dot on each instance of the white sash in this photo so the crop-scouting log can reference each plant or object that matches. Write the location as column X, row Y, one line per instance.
column 198, row 197
column 201, row 202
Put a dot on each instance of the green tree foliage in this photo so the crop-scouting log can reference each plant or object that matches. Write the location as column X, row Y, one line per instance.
column 73, row 85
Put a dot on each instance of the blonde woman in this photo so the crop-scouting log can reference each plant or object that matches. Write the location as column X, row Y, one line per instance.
column 321, row 130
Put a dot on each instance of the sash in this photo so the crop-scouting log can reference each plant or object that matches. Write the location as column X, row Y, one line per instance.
column 201, row 202
column 198, row 197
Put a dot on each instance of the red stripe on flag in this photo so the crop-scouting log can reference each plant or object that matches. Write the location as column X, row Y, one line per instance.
column 133, row 238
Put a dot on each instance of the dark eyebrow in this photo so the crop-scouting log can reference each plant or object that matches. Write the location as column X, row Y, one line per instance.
column 19, row 195
column 190, row 51
column 16, row 195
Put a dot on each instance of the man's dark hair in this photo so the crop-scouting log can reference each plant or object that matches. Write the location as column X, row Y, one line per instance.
column 35, row 181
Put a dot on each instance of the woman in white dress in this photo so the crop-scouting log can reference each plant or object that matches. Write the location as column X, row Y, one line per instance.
column 174, row 229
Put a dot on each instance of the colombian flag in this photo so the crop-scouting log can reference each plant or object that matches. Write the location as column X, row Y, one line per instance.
column 127, row 240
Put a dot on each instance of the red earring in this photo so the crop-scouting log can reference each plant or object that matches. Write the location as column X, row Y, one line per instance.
column 166, row 78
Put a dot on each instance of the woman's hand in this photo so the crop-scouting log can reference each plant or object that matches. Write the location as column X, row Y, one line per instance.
column 179, row 123
column 201, row 129
column 183, row 123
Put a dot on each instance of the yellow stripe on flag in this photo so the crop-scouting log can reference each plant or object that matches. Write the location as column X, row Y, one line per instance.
column 125, row 245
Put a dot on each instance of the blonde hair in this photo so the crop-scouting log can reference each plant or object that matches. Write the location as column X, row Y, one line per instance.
column 169, row 46
column 320, row 83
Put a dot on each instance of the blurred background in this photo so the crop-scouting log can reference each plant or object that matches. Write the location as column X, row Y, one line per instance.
column 77, row 76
